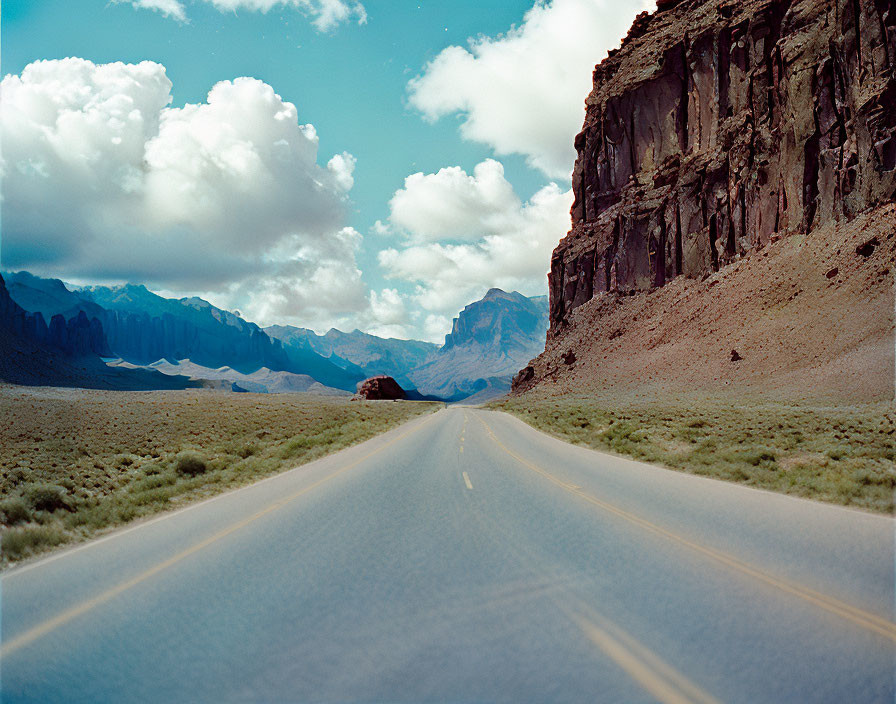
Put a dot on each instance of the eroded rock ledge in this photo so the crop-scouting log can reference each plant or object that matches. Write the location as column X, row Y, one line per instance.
column 718, row 127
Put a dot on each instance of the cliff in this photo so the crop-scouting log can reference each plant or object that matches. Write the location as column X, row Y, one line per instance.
column 718, row 128
column 143, row 327
column 76, row 336
column 734, row 225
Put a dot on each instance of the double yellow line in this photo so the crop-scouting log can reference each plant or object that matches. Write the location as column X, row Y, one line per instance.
column 61, row 619
column 860, row 617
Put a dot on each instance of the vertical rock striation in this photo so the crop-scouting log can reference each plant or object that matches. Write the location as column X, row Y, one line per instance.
column 76, row 337
column 718, row 127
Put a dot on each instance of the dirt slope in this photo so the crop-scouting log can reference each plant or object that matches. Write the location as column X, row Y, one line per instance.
column 811, row 316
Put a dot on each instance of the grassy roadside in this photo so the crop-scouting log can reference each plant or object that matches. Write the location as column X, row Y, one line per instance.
column 74, row 463
column 843, row 455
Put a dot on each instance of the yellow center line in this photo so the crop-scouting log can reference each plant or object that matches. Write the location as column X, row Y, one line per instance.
column 596, row 626
column 467, row 481
column 657, row 677
column 858, row 616
column 61, row 619
column 646, row 668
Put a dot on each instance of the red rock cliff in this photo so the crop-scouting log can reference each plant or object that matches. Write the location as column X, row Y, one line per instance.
column 719, row 126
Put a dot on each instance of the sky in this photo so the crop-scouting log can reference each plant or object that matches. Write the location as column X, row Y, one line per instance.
column 320, row 163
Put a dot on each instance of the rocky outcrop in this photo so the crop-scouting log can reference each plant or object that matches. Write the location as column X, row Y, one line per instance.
column 380, row 388
column 719, row 127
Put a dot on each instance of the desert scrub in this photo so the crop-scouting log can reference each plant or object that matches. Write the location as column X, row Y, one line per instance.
column 17, row 543
column 113, row 457
column 190, row 464
column 46, row 497
column 840, row 454
column 14, row 511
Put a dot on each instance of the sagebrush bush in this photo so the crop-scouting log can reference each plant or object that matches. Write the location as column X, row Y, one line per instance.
column 190, row 464
column 247, row 451
column 47, row 497
column 13, row 511
column 21, row 542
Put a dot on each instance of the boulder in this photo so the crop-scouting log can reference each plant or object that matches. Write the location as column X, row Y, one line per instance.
column 380, row 388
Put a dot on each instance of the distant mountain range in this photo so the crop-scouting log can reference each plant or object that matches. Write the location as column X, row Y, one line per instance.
column 490, row 341
column 142, row 327
column 191, row 339
column 369, row 353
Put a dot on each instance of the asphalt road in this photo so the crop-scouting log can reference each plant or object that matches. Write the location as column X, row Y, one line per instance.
column 465, row 558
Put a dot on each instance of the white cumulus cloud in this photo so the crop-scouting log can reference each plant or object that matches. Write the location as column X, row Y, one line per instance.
column 388, row 307
column 169, row 8
column 523, row 92
column 435, row 327
column 388, row 315
column 342, row 167
column 317, row 287
column 104, row 181
column 325, row 15
column 453, row 205
column 507, row 243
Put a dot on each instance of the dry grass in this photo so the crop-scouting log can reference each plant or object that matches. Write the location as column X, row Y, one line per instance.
column 840, row 454
column 75, row 462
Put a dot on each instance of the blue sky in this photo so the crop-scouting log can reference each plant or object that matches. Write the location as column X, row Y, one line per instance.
column 403, row 92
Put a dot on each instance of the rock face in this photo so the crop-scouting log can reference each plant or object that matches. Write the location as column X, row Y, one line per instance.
column 719, row 127
column 381, row 388
column 64, row 353
column 76, row 337
column 12, row 317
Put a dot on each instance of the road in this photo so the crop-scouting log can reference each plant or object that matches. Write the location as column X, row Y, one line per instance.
column 465, row 557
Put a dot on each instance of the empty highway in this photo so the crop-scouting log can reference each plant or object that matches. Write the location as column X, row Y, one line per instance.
column 465, row 557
